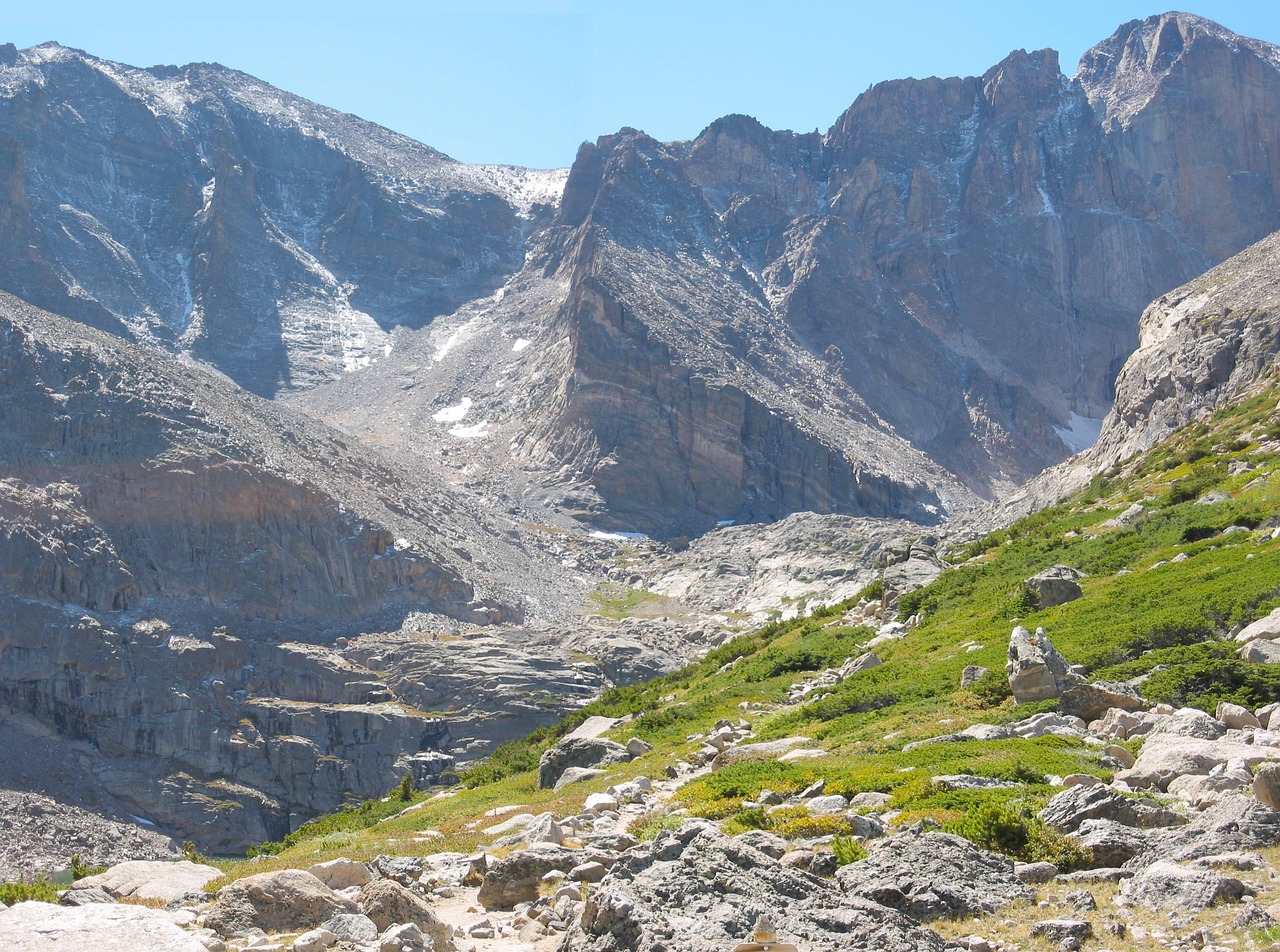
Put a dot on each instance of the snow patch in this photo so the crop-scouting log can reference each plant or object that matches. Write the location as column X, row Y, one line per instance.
column 474, row 432
column 1080, row 432
column 520, row 345
column 617, row 536
column 453, row 414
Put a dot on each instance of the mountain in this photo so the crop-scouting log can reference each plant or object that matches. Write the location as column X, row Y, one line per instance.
column 202, row 211
column 912, row 312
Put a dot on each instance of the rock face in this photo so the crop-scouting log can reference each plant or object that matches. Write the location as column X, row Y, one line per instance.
column 1200, row 346
column 669, row 896
column 152, row 880
column 104, row 927
column 758, row 322
column 932, row 876
column 201, row 210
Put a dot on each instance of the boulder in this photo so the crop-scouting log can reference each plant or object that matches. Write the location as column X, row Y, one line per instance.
column 405, row 937
column 972, row 674
column 1111, row 844
column 84, row 897
column 1266, row 629
column 591, row 752
column 827, row 804
column 102, row 927
column 1067, row 810
column 1166, row 756
column 577, row 774
column 1235, row 716
column 514, row 878
column 353, row 927
column 1092, row 700
column 317, row 940
column 285, row 900
column 1261, row 652
column 672, row 894
column 341, row 873
column 1056, row 585
column 1061, row 930
column 599, row 803
column 768, row 843
column 152, row 879
column 1035, row 669
column 1232, row 824
column 1188, row 722
column 1266, row 785
column 933, row 875
column 1168, row 886
column 388, row 904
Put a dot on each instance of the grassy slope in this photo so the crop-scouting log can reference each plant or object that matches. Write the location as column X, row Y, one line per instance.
column 1135, row 618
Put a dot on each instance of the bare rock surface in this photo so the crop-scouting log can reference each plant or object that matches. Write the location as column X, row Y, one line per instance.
column 1169, row 886
column 932, row 876
column 152, row 880
column 102, row 927
column 665, row 895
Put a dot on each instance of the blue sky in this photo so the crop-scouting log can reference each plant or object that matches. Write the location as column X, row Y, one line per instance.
column 526, row 81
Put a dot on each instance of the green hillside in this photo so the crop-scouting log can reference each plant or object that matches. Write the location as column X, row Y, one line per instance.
column 1165, row 588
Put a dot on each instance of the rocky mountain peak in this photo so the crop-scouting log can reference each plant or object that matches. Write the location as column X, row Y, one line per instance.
column 1122, row 73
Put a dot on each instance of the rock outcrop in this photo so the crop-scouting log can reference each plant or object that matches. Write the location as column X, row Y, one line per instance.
column 669, row 895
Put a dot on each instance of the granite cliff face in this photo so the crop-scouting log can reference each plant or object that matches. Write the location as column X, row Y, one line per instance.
column 919, row 309
column 185, row 571
column 205, row 212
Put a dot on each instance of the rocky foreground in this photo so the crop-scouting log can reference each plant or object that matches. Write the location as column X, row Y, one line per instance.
column 1179, row 852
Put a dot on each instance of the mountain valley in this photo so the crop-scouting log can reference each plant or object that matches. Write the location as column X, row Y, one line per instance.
column 327, row 461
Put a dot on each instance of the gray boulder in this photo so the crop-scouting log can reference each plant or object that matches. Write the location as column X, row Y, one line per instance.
column 1094, row 699
column 514, row 878
column 152, row 879
column 1188, row 722
column 282, row 901
column 972, row 674
column 1067, row 810
column 1035, row 669
column 697, row 890
column 591, row 752
column 933, row 875
column 1112, row 844
column 353, row 927
column 1261, row 652
column 388, row 904
column 1233, row 824
column 1168, row 886
column 102, row 927
column 1266, row 785
column 1056, row 585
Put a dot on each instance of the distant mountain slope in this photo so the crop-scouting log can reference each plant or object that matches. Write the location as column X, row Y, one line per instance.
column 206, row 212
column 923, row 307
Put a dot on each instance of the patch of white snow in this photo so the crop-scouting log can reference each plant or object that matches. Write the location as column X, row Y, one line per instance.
column 453, row 414
column 1080, row 433
column 520, row 344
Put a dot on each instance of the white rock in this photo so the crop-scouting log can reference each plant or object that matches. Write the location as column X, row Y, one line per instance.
column 98, row 927
column 153, row 879
column 314, row 941
column 341, row 873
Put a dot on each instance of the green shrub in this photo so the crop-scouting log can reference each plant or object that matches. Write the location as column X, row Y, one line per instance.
column 847, row 850
column 80, row 869
column 650, row 829
column 994, row 826
column 24, row 890
column 807, row 827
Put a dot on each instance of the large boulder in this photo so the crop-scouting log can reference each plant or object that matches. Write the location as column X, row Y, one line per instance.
column 590, row 752
column 1234, row 824
column 1111, row 844
column 388, row 903
column 1166, row 756
column 514, row 878
column 152, row 879
column 101, row 927
column 1092, row 700
column 1067, row 810
column 932, row 876
column 341, row 873
column 1264, row 629
column 697, row 890
column 285, row 900
column 1035, row 669
column 1169, row 886
column 1056, row 585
